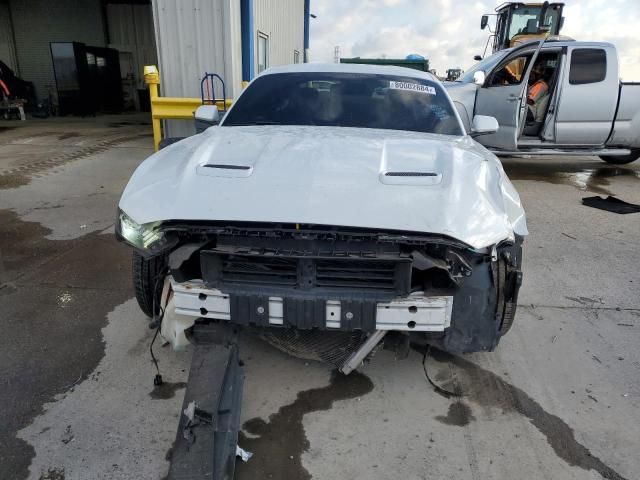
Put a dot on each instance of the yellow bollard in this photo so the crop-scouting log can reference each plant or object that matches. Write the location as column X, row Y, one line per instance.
column 152, row 78
column 171, row 107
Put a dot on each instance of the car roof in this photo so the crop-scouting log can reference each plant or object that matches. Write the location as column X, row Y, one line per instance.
column 350, row 68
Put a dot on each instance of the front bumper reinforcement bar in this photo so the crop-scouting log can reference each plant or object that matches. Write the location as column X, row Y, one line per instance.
column 206, row 441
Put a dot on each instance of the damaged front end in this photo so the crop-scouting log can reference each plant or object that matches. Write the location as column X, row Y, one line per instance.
column 309, row 279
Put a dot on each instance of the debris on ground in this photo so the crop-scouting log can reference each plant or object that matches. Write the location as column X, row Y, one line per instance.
column 243, row 454
column 189, row 412
column 611, row 204
column 68, row 435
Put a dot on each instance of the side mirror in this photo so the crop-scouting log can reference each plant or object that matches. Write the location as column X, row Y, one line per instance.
column 206, row 116
column 484, row 21
column 477, row 58
column 483, row 125
column 479, row 77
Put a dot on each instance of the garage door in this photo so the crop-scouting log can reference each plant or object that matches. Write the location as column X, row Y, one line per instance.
column 7, row 47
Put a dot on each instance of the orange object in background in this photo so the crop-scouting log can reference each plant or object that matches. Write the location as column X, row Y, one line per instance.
column 5, row 89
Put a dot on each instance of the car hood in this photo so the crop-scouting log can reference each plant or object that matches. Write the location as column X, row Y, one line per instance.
column 368, row 178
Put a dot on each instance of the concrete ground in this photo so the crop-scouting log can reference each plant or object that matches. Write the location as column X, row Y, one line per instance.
column 558, row 399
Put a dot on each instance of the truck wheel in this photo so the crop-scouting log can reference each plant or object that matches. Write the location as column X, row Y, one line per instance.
column 148, row 281
column 621, row 159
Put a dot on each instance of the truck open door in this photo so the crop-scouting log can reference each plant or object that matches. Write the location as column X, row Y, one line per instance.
column 503, row 95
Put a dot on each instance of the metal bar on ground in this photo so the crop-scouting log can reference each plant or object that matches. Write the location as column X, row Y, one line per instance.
column 356, row 359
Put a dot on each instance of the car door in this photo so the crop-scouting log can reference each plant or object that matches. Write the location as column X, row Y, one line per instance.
column 588, row 96
column 504, row 96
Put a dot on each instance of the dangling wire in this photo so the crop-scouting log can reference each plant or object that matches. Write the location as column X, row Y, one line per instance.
column 157, row 323
column 158, row 378
column 442, row 391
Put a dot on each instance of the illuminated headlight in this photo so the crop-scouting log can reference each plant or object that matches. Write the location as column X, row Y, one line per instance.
column 147, row 237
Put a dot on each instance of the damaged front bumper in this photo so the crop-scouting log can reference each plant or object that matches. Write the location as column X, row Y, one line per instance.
column 460, row 299
column 416, row 312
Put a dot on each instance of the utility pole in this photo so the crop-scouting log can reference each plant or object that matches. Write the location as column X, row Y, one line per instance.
column 336, row 54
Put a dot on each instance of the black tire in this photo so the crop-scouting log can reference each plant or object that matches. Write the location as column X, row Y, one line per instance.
column 147, row 277
column 621, row 159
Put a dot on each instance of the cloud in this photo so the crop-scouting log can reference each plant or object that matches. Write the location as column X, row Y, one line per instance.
column 447, row 32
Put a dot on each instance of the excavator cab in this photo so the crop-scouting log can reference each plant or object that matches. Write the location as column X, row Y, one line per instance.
column 453, row 74
column 518, row 22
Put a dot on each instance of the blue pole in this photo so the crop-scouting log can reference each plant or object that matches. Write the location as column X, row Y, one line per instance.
column 307, row 14
column 247, row 36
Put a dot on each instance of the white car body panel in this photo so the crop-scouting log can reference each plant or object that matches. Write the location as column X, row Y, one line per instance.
column 330, row 176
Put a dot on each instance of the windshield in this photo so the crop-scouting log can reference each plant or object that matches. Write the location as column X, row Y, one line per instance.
column 346, row 100
column 485, row 65
column 525, row 21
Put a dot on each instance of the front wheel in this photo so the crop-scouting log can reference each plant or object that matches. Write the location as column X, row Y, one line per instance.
column 621, row 159
column 148, row 276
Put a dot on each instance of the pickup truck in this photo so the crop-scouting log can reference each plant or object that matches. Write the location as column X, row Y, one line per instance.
column 587, row 110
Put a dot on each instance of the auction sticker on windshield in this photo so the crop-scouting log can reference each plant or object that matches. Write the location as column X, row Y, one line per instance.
column 413, row 87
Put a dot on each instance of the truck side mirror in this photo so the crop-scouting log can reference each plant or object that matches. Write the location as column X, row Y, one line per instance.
column 479, row 77
column 477, row 58
column 206, row 116
column 483, row 125
column 484, row 21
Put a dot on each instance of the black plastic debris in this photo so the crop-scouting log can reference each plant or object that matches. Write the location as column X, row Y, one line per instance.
column 207, row 438
column 611, row 204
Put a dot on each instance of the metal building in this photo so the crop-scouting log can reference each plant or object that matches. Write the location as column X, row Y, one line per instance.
column 233, row 38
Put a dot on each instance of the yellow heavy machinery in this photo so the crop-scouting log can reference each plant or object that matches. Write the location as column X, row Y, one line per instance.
column 518, row 22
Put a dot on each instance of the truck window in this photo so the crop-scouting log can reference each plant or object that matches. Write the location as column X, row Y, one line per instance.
column 511, row 72
column 588, row 65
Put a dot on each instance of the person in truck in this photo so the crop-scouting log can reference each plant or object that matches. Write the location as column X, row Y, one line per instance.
column 537, row 93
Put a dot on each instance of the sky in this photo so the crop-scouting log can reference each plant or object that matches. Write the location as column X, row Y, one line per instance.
column 447, row 32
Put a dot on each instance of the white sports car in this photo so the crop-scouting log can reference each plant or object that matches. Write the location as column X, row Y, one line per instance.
column 340, row 198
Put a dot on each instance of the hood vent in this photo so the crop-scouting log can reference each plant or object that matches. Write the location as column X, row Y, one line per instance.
column 410, row 174
column 413, row 162
column 227, row 167
column 410, row 178
column 225, row 170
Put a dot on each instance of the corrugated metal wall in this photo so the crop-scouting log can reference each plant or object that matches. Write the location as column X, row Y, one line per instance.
column 7, row 48
column 38, row 22
column 283, row 22
column 131, row 31
column 193, row 37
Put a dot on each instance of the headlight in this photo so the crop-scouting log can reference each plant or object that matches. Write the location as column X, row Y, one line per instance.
column 147, row 237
